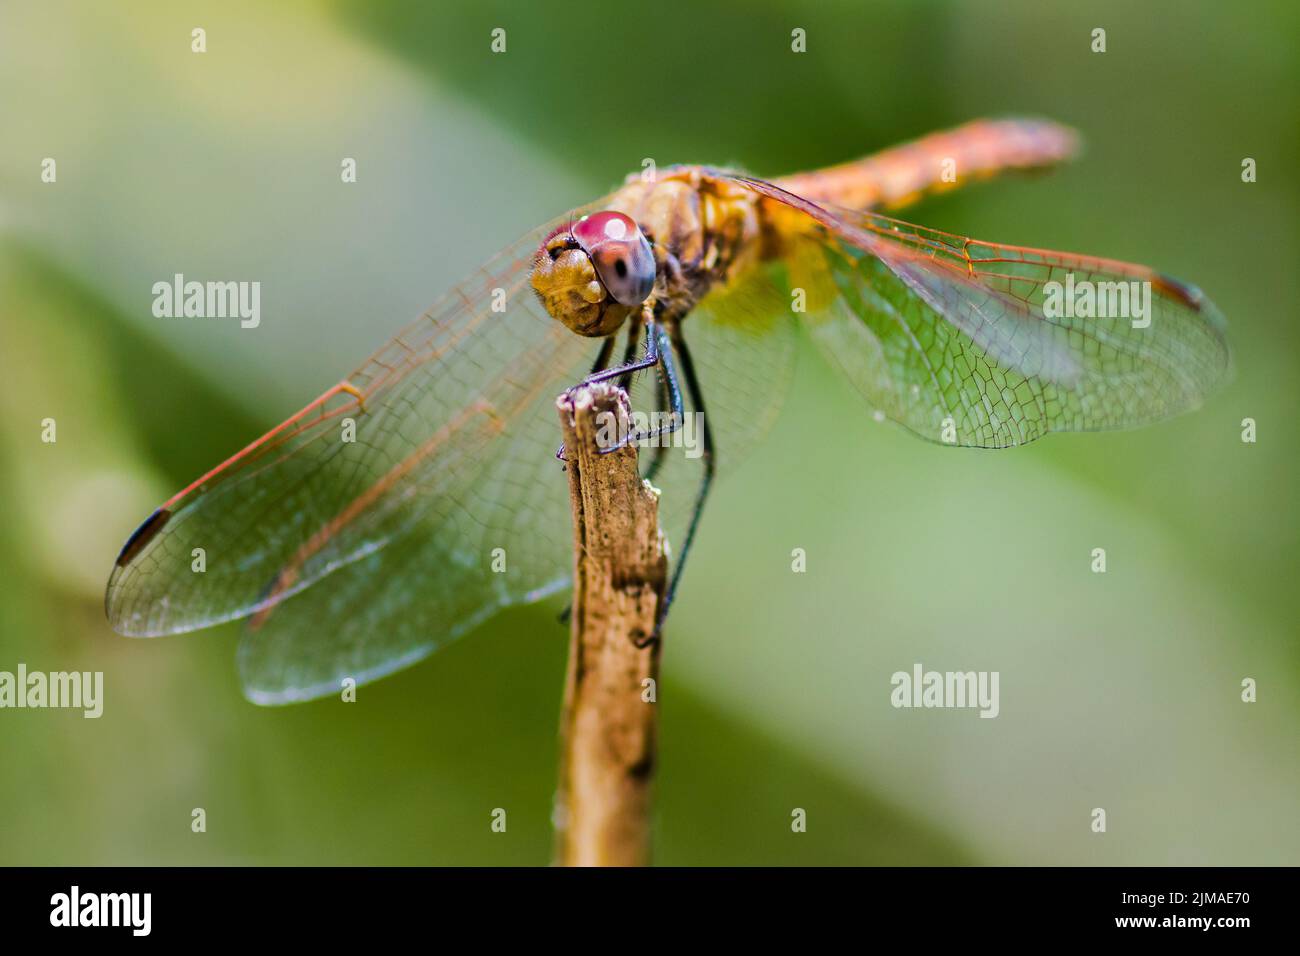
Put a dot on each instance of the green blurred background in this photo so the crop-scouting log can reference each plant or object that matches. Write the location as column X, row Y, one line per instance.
column 1118, row 690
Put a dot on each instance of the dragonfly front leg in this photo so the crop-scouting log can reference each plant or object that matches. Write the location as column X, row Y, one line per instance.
column 629, row 357
column 654, row 336
column 650, row 360
column 663, row 353
column 661, row 449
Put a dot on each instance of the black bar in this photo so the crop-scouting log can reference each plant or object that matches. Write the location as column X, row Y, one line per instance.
column 328, row 906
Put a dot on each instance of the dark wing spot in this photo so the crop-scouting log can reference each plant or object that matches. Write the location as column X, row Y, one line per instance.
column 1189, row 295
column 142, row 536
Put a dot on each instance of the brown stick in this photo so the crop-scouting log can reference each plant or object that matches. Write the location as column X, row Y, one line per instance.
column 607, row 729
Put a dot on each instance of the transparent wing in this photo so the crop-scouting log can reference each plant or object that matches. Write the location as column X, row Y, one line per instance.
column 418, row 496
column 742, row 344
column 991, row 345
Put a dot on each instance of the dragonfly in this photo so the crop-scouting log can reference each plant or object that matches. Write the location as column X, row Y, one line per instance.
column 356, row 555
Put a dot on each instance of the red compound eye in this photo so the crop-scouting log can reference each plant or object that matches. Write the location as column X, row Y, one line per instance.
column 620, row 253
column 600, row 227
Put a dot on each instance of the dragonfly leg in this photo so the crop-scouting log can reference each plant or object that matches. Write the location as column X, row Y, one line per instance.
column 710, row 465
column 664, row 354
column 629, row 358
column 661, row 449
column 625, row 370
column 602, row 358
column 625, row 383
column 651, row 356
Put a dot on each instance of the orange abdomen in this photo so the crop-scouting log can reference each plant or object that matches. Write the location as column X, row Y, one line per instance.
column 938, row 162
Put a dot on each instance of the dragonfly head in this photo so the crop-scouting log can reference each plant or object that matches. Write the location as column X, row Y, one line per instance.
column 591, row 274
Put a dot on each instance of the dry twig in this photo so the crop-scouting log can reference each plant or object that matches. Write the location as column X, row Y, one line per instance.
column 620, row 569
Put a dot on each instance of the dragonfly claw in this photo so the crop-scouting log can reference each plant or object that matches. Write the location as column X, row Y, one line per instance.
column 641, row 643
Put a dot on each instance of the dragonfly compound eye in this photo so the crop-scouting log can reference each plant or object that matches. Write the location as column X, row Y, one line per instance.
column 620, row 253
